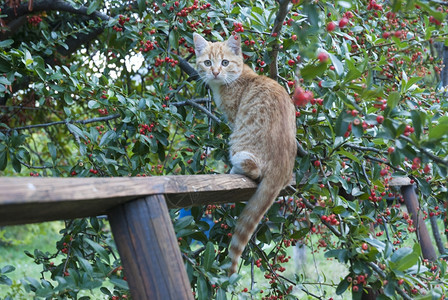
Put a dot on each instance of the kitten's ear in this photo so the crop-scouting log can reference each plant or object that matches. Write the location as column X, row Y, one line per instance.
column 234, row 43
column 199, row 43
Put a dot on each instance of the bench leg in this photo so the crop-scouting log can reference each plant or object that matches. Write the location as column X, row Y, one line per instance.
column 411, row 201
column 149, row 251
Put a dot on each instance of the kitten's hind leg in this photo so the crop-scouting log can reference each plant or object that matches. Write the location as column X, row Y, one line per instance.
column 245, row 163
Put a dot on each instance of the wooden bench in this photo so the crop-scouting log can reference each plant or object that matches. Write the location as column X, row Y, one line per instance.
column 137, row 208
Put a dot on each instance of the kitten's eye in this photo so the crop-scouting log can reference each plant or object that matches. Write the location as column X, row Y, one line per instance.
column 207, row 63
column 225, row 63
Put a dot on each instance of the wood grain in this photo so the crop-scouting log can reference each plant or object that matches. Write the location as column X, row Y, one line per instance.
column 27, row 200
column 412, row 205
column 33, row 199
column 148, row 249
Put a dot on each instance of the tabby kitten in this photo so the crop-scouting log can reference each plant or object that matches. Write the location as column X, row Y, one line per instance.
column 262, row 117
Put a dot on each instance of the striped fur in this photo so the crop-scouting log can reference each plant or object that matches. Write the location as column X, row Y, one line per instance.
column 262, row 117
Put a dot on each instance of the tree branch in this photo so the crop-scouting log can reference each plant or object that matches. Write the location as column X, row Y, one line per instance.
column 383, row 276
column 49, row 5
column 283, row 10
column 435, row 158
column 99, row 119
column 185, row 66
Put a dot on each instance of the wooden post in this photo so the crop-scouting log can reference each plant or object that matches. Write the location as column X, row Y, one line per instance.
column 149, row 251
column 410, row 199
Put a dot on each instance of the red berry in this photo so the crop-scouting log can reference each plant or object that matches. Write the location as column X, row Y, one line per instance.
column 322, row 57
column 343, row 22
column 365, row 246
column 291, row 62
column 317, row 163
column 331, row 26
column 380, row 119
column 294, row 37
column 302, row 97
column 390, row 150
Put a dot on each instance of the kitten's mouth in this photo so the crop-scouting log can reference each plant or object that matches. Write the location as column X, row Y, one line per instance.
column 216, row 80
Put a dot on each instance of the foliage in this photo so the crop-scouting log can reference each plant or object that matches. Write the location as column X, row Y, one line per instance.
column 102, row 88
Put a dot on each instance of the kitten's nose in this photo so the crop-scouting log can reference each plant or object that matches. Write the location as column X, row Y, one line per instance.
column 215, row 73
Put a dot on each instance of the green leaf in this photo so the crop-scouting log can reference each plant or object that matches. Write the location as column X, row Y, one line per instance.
column 108, row 137
column 417, row 122
column 92, row 7
column 98, row 249
column 342, row 287
column 338, row 66
column 440, row 130
column 404, row 258
column 393, row 99
column 6, row 43
column 312, row 71
column 221, row 294
column 120, row 283
column 3, row 159
column 42, row 74
column 75, row 130
column 209, row 256
column 52, row 149
column 92, row 104
column 341, row 125
column 203, row 292
column 5, row 280
column 17, row 166
column 183, row 222
column 7, row 269
column 85, row 264
column 28, row 58
column 349, row 155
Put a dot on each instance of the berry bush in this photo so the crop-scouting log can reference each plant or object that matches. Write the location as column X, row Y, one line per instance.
column 108, row 88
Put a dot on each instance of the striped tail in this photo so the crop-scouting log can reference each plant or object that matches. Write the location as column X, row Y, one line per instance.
column 251, row 215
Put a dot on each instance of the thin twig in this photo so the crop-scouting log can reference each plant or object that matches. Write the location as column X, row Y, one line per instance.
column 206, row 111
column 383, row 276
column 435, row 158
column 99, row 119
column 283, row 10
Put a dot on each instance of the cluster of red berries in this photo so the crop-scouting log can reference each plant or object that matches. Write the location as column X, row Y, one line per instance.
column 170, row 61
column 121, row 20
column 358, row 280
column 434, row 20
column 374, row 6
column 93, row 171
column 330, row 219
column 147, row 46
column 103, row 111
column 145, row 128
column 185, row 11
column 238, row 27
column 65, row 249
column 34, row 20
column 34, row 174
column 408, row 130
column 416, row 163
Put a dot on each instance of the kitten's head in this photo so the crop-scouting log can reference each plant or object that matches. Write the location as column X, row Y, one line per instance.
column 218, row 63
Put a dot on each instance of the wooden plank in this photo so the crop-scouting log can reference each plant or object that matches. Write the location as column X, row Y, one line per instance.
column 27, row 200
column 33, row 199
column 148, row 249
